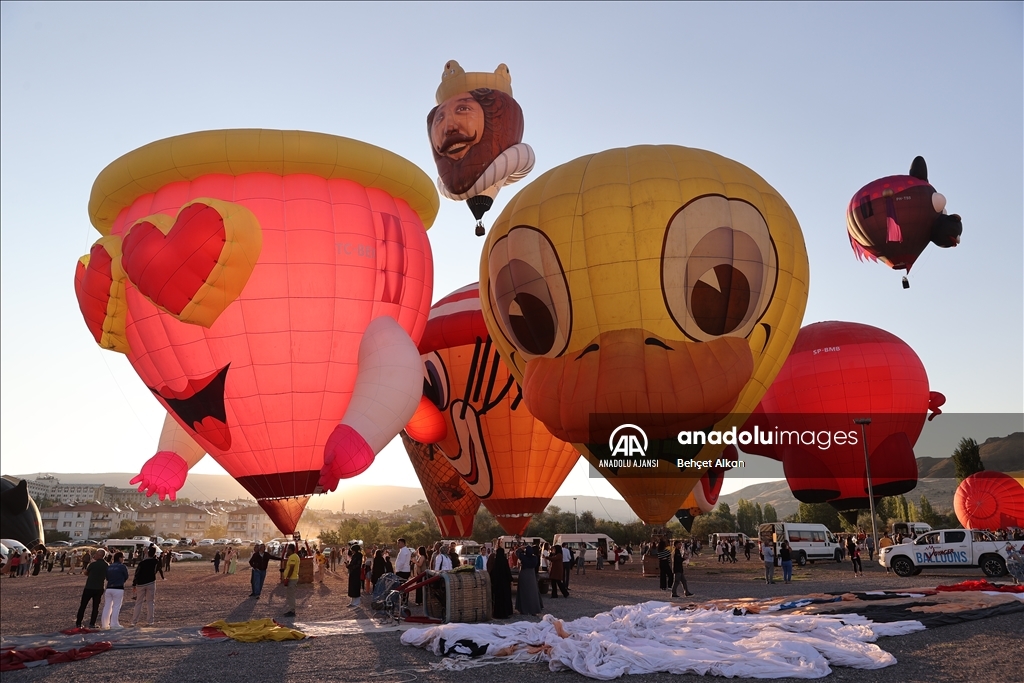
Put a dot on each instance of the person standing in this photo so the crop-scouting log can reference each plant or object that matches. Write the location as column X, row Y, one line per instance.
column 419, row 566
column 355, row 575
column 501, row 585
column 556, row 572
column 441, row 561
column 216, row 562
column 113, row 597
column 144, row 586
column 870, row 542
column 664, row 565
column 291, row 578
column 679, row 557
column 528, row 594
column 403, row 563
column 96, row 575
column 259, row 562
column 769, row 563
column 568, row 559
column 786, row 558
column 854, row 550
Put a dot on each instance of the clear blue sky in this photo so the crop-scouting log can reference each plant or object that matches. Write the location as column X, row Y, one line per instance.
column 819, row 99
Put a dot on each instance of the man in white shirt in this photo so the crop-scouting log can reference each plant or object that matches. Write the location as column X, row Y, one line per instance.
column 566, row 564
column 403, row 563
column 440, row 562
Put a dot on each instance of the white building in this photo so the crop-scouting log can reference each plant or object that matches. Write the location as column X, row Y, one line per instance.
column 251, row 524
column 85, row 521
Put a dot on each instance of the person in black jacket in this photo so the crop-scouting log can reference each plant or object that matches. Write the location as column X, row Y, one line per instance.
column 96, row 576
column 355, row 574
column 678, row 562
column 501, row 584
column 144, row 586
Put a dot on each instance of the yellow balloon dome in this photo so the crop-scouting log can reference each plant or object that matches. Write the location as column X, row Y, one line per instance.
column 656, row 282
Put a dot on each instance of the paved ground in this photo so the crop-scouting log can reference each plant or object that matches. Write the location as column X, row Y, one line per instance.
column 988, row 650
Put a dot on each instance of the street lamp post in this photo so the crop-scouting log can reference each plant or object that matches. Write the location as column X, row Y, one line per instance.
column 576, row 514
column 864, row 422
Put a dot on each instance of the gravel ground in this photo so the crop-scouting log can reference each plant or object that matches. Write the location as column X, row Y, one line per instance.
column 986, row 650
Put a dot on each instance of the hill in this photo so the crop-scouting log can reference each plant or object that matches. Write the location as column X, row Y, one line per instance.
column 1002, row 454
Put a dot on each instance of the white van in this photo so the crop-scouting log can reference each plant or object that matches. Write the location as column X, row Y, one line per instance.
column 586, row 546
column 808, row 542
column 911, row 529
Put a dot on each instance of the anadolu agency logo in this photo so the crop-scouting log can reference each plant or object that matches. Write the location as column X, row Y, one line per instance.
column 627, row 445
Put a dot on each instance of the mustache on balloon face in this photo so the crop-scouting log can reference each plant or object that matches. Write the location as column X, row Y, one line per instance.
column 455, row 139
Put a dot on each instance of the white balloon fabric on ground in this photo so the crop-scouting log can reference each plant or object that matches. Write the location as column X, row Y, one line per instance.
column 660, row 637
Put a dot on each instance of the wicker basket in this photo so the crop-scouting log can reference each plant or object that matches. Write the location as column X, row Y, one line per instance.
column 462, row 597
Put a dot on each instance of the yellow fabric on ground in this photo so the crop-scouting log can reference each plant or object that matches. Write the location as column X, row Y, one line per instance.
column 256, row 630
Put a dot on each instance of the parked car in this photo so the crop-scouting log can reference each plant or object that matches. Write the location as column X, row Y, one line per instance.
column 207, row 541
column 13, row 544
column 236, row 541
column 222, row 541
column 169, row 543
column 59, row 544
column 185, row 555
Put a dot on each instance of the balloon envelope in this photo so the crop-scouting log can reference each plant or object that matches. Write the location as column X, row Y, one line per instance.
column 451, row 500
column 253, row 263
column 838, row 372
column 508, row 458
column 658, row 286
column 989, row 500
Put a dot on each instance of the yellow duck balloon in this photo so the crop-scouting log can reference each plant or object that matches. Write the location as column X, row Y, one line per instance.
column 654, row 288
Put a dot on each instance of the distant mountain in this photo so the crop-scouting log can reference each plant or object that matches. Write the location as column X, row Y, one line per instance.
column 1002, row 454
column 939, row 492
column 354, row 498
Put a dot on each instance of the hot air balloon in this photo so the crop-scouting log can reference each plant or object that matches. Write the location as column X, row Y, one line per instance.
column 19, row 515
column 451, row 500
column 838, row 372
column 990, row 500
column 476, row 136
column 269, row 287
column 653, row 289
column 704, row 496
column 893, row 219
column 506, row 456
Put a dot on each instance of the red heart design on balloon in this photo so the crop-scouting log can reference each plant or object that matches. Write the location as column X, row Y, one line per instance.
column 170, row 265
column 99, row 287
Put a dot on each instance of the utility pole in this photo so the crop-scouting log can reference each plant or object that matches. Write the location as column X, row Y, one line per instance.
column 576, row 514
column 864, row 422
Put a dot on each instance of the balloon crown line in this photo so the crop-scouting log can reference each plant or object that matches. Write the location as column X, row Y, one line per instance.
column 454, row 80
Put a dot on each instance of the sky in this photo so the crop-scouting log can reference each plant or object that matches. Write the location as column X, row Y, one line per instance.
column 818, row 99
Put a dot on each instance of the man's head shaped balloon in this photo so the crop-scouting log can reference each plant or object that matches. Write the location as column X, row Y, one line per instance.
column 476, row 134
column 656, row 280
column 267, row 285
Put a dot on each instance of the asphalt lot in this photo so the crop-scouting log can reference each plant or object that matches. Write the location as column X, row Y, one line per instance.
column 986, row 650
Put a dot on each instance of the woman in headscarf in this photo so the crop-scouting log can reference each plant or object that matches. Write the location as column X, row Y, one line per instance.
column 355, row 574
column 528, row 592
column 501, row 584
column 379, row 567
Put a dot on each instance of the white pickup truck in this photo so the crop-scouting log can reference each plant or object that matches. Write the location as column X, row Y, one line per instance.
column 946, row 548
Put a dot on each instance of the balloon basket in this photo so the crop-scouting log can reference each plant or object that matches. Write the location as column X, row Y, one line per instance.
column 906, row 282
column 459, row 597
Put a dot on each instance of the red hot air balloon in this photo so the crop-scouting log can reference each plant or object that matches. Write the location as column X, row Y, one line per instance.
column 838, row 372
column 893, row 219
column 506, row 455
column 269, row 287
column 989, row 500
column 451, row 500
